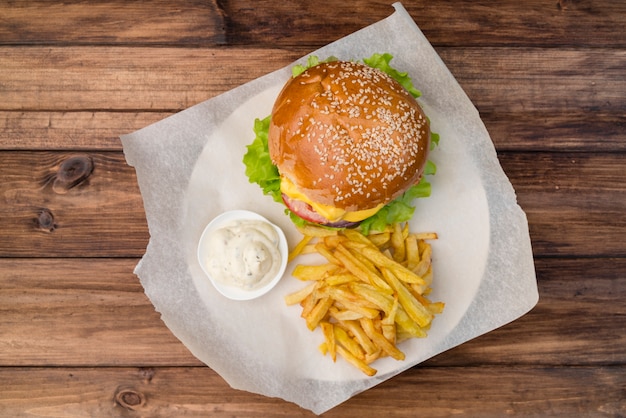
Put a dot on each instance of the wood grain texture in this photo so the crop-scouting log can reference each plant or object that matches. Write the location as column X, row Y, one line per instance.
column 43, row 213
column 111, row 21
column 200, row 392
column 100, row 130
column 71, row 131
column 73, row 312
column 78, row 336
column 498, row 80
column 448, row 22
column 103, row 215
column 289, row 23
column 573, row 201
column 81, row 311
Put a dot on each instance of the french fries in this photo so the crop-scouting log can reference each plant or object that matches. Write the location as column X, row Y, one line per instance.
column 370, row 295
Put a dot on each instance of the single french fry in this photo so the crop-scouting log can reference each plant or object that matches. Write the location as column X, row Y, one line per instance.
column 340, row 278
column 426, row 235
column 428, row 276
column 308, row 249
column 314, row 272
column 318, row 312
column 316, row 231
column 389, row 332
column 397, row 243
column 329, row 335
column 412, row 252
column 343, row 339
column 297, row 250
column 422, row 245
column 299, row 295
column 398, row 269
column 360, row 364
column 425, row 261
column 307, row 304
column 436, row 307
column 343, row 314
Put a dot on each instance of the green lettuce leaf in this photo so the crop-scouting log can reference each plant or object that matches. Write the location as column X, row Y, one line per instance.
column 259, row 167
column 398, row 210
column 260, row 170
column 381, row 61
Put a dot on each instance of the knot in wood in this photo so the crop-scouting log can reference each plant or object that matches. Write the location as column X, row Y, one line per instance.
column 72, row 172
column 45, row 220
column 130, row 398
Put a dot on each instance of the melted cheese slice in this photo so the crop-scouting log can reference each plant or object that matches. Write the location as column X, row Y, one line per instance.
column 331, row 213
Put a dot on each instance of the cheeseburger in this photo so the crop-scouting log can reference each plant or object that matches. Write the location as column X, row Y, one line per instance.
column 346, row 139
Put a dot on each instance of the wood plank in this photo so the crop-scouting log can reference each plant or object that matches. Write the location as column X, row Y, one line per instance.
column 200, row 392
column 502, row 22
column 111, row 21
column 272, row 23
column 553, row 132
column 81, row 311
column 70, row 204
column 75, row 312
column 576, row 322
column 100, row 131
column 498, row 80
column 123, row 78
column 41, row 216
column 509, row 80
column 71, row 131
column 573, row 201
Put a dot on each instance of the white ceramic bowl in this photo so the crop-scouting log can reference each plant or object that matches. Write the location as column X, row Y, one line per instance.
column 233, row 292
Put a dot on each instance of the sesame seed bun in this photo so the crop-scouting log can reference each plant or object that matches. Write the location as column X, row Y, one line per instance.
column 348, row 135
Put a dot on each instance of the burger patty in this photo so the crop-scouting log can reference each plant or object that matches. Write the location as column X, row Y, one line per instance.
column 306, row 212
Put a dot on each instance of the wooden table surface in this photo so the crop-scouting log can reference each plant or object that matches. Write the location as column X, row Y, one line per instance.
column 78, row 336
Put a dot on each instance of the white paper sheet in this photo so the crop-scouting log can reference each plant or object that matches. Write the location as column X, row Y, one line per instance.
column 189, row 170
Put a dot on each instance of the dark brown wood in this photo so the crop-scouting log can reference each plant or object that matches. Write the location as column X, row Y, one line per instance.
column 288, row 23
column 502, row 22
column 111, row 21
column 556, row 132
column 198, row 391
column 42, row 215
column 78, row 336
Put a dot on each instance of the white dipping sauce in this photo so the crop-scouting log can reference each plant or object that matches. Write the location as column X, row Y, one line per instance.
column 244, row 254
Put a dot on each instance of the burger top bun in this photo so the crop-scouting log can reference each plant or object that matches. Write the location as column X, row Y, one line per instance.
column 348, row 135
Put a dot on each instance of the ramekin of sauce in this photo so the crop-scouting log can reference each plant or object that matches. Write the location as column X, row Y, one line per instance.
column 243, row 254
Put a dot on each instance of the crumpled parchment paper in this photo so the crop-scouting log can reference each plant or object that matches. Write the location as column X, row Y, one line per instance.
column 189, row 170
